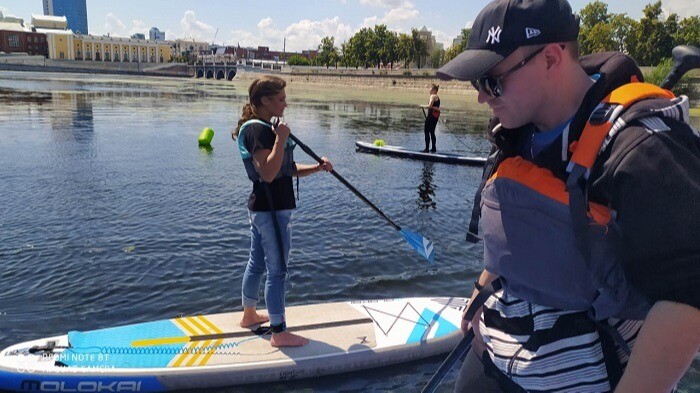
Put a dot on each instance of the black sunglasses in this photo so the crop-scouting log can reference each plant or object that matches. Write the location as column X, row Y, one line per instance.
column 491, row 85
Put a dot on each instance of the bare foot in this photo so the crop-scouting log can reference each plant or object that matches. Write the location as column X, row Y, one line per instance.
column 252, row 319
column 286, row 339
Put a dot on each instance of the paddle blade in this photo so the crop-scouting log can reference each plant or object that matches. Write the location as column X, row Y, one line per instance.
column 420, row 244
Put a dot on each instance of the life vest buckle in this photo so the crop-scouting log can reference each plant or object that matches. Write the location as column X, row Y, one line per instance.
column 602, row 114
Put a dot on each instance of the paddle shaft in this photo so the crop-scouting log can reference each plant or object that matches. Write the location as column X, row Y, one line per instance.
column 315, row 156
column 457, row 353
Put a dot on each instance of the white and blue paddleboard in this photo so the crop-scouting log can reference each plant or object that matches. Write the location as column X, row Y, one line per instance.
column 212, row 350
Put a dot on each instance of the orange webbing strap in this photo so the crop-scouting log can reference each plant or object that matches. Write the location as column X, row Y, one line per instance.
column 630, row 93
column 589, row 144
column 593, row 135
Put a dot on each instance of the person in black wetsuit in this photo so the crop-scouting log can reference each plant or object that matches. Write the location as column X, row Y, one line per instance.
column 431, row 119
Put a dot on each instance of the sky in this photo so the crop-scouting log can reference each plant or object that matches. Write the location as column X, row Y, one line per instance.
column 302, row 22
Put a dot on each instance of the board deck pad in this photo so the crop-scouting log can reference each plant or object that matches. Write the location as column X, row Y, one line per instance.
column 218, row 339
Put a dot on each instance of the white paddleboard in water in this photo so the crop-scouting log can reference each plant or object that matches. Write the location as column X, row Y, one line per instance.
column 212, row 350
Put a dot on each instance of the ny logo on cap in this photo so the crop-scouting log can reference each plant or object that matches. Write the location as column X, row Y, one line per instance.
column 494, row 35
column 530, row 32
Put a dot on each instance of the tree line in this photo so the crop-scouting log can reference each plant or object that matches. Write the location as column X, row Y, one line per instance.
column 370, row 47
column 648, row 40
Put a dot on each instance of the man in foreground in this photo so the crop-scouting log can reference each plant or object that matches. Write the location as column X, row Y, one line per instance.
column 588, row 210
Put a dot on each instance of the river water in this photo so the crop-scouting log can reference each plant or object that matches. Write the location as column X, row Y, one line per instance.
column 111, row 214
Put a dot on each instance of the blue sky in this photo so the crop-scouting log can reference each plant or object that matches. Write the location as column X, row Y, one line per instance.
column 303, row 23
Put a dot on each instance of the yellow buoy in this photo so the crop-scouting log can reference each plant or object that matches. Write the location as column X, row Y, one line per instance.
column 206, row 136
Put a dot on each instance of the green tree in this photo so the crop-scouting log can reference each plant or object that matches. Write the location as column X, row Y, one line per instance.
column 381, row 44
column 596, row 33
column 437, row 58
column 404, row 50
column 387, row 44
column 458, row 48
column 362, row 49
column 298, row 60
column 327, row 52
column 622, row 32
column 593, row 14
column 652, row 41
column 420, row 47
column 688, row 31
column 598, row 38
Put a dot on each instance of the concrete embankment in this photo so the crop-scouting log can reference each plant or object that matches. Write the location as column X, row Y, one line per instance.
column 41, row 64
column 405, row 80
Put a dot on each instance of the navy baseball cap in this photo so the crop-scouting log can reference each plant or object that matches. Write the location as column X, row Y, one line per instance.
column 505, row 25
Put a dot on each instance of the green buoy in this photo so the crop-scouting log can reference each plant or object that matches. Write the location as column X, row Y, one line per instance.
column 206, row 136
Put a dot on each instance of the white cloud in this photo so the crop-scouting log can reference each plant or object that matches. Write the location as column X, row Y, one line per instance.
column 393, row 18
column 193, row 28
column 383, row 3
column 302, row 35
column 138, row 26
column 684, row 8
column 115, row 27
column 443, row 38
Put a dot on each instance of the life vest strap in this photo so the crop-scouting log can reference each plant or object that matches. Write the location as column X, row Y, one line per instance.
column 604, row 117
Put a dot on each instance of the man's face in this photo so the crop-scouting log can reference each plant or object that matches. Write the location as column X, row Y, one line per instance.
column 520, row 77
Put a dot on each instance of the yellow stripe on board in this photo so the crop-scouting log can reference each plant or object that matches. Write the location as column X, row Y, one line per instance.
column 198, row 353
column 209, row 324
column 211, row 352
column 160, row 341
column 201, row 328
column 184, row 355
column 188, row 329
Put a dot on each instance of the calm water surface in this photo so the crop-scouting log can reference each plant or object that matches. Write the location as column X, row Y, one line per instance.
column 111, row 214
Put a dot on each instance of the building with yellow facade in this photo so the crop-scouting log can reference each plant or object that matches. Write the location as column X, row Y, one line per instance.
column 63, row 44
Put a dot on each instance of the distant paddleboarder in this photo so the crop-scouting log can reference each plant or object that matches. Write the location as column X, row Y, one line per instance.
column 431, row 119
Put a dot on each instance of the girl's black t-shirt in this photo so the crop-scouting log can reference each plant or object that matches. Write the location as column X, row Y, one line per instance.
column 258, row 136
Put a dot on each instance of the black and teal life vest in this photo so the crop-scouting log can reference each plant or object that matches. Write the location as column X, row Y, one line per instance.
column 288, row 167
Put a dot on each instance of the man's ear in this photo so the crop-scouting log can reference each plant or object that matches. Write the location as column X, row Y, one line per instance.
column 553, row 54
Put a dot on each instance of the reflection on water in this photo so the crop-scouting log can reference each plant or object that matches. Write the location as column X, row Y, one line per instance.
column 426, row 190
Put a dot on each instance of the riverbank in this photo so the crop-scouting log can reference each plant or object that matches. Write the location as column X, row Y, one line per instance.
column 42, row 64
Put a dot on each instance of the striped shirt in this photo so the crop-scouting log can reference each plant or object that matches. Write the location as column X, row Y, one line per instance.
column 545, row 349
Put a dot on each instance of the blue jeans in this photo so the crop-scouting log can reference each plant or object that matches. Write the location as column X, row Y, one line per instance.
column 265, row 255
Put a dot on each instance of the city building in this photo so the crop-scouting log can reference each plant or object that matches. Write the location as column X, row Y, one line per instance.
column 11, row 19
column 58, row 36
column 264, row 53
column 138, row 36
column 428, row 37
column 431, row 45
column 15, row 38
column 185, row 47
column 64, row 44
column 156, row 35
column 118, row 49
column 75, row 12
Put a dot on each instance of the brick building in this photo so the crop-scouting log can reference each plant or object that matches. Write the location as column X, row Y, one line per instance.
column 14, row 38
